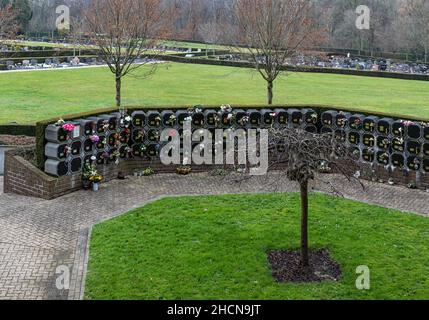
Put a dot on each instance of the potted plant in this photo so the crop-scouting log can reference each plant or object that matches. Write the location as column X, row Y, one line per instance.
column 184, row 170
column 148, row 172
column 85, row 177
column 95, row 180
column 91, row 177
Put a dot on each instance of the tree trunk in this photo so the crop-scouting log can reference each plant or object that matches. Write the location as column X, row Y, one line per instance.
column 270, row 92
column 118, row 91
column 304, row 224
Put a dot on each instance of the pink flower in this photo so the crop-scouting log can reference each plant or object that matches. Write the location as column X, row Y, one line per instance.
column 94, row 138
column 68, row 127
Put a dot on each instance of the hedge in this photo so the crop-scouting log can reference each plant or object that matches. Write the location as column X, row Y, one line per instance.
column 18, row 130
column 44, row 53
column 42, row 59
column 379, row 74
column 41, row 125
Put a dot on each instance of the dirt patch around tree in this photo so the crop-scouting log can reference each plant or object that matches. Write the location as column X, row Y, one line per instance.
column 286, row 266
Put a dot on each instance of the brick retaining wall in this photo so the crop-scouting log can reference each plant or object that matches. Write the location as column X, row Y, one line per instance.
column 22, row 177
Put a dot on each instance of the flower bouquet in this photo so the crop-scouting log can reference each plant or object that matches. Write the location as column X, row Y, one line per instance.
column 184, row 170
column 91, row 177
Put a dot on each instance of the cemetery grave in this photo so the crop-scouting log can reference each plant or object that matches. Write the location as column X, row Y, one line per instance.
column 109, row 139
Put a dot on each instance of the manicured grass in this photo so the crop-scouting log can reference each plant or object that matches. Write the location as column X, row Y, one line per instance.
column 215, row 248
column 26, row 97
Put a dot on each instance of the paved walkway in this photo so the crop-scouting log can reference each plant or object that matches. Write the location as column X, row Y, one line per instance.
column 38, row 236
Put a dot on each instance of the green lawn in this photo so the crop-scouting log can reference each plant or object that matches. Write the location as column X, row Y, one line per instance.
column 26, row 97
column 215, row 248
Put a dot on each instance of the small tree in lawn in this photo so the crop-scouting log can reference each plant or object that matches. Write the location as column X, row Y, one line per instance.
column 272, row 31
column 305, row 155
column 302, row 156
column 124, row 31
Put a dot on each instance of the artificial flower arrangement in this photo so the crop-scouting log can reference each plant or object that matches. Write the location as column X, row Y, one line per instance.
column 148, row 172
column 94, row 138
column 171, row 120
column 244, row 120
column 106, row 125
column 184, row 170
column 125, row 121
column 60, row 122
column 68, row 128
column 91, row 177
column 140, row 135
column 96, row 178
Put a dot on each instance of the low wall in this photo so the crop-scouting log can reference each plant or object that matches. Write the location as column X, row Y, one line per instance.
column 25, row 179
column 18, row 130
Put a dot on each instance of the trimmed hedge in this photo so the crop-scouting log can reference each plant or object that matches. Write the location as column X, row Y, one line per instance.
column 378, row 74
column 41, row 125
column 42, row 59
column 44, row 53
column 18, row 130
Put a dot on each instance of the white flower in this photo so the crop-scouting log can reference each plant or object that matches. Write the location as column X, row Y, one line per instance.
column 188, row 119
column 230, row 116
column 128, row 118
column 226, row 108
column 93, row 158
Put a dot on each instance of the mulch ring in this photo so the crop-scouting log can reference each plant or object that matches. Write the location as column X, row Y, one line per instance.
column 286, row 266
column 8, row 140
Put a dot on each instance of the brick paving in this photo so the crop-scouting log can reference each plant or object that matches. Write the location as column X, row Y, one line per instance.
column 38, row 236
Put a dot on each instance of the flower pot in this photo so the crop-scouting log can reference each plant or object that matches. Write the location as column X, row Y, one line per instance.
column 86, row 184
column 184, row 170
column 95, row 187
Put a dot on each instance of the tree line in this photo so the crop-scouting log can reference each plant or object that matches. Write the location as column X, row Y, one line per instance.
column 395, row 25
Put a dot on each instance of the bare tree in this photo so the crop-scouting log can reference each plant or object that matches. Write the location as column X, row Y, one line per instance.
column 415, row 19
column 124, row 31
column 271, row 31
column 8, row 24
column 211, row 32
column 304, row 155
